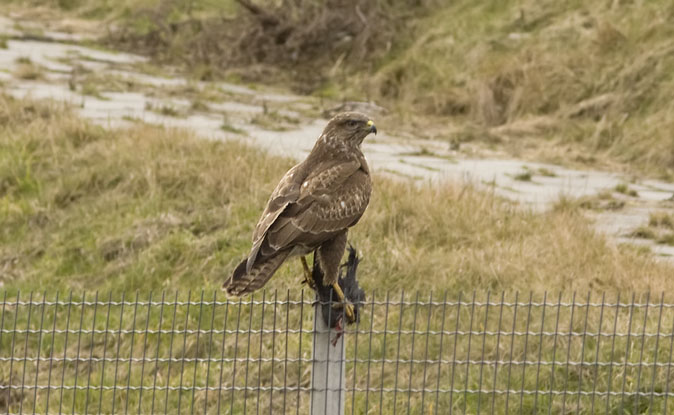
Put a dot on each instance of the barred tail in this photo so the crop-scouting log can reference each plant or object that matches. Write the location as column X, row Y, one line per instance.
column 242, row 282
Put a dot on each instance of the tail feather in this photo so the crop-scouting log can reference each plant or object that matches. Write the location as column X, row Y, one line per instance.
column 242, row 282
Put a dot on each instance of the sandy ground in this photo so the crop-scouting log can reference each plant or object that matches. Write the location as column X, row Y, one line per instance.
column 125, row 94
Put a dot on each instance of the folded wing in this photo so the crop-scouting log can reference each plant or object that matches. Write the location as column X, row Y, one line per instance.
column 300, row 215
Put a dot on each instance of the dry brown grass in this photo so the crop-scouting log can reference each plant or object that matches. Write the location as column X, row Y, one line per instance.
column 85, row 208
column 28, row 70
column 287, row 40
column 661, row 219
column 574, row 83
column 585, row 84
column 660, row 228
column 106, row 200
column 461, row 239
column 157, row 208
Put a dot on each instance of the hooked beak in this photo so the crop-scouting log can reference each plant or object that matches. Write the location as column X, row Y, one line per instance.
column 373, row 128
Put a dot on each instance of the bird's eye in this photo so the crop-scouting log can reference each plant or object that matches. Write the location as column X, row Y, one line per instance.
column 352, row 123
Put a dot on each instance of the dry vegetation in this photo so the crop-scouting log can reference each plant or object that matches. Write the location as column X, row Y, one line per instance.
column 27, row 70
column 84, row 208
column 147, row 208
column 660, row 228
column 286, row 40
column 583, row 83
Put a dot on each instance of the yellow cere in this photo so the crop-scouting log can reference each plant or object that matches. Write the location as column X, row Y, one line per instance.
column 370, row 123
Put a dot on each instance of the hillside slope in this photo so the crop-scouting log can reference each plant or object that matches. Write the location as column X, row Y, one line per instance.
column 581, row 83
column 83, row 208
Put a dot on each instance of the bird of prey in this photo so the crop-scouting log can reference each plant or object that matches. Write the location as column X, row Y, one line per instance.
column 312, row 208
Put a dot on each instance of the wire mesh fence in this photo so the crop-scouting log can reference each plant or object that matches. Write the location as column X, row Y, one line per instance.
column 417, row 353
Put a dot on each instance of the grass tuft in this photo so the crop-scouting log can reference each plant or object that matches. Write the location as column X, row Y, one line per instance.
column 91, row 89
column 625, row 189
column 232, row 129
column 661, row 220
column 164, row 109
column 546, row 172
column 274, row 121
column 580, row 84
column 524, row 176
column 146, row 208
column 643, row 232
column 659, row 229
column 667, row 239
column 27, row 70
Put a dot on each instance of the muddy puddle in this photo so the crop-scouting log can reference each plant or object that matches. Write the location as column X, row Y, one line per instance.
column 111, row 89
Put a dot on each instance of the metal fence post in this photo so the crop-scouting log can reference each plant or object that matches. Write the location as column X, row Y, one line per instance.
column 328, row 370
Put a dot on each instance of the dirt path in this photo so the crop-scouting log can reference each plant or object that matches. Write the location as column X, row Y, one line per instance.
column 115, row 89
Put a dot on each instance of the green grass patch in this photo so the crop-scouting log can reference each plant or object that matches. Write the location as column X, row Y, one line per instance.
column 147, row 208
column 27, row 70
column 164, row 109
column 546, row 172
column 659, row 229
column 625, row 189
column 274, row 121
column 666, row 239
column 232, row 129
column 539, row 79
column 643, row 232
column 523, row 177
column 199, row 105
column 85, row 208
column 91, row 89
column 661, row 220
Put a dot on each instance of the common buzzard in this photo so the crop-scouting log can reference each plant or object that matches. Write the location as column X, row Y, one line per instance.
column 312, row 208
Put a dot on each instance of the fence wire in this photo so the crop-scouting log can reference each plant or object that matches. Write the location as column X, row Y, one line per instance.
column 414, row 354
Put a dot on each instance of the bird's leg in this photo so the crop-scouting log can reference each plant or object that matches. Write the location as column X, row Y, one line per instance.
column 348, row 307
column 308, row 276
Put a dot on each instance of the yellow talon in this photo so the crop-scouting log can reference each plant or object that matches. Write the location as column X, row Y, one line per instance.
column 308, row 276
column 348, row 307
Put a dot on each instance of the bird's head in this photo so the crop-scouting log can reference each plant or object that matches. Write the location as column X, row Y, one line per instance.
column 349, row 127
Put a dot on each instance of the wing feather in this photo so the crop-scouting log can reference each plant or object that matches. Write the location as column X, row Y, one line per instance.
column 305, row 211
column 286, row 192
column 310, row 218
